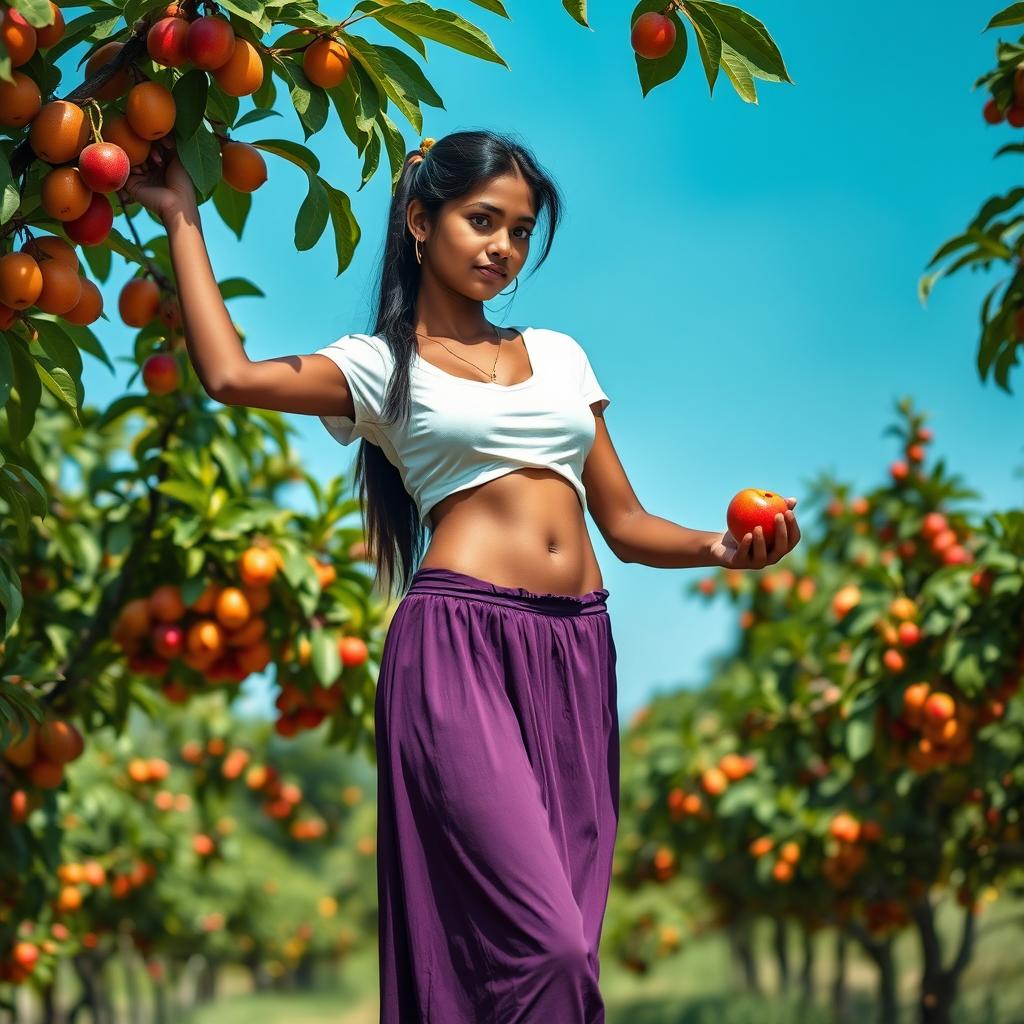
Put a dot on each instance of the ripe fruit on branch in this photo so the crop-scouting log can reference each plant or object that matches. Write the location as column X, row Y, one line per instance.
column 165, row 42
column 118, row 131
column 1015, row 115
column 64, row 194
column 653, row 35
column 161, row 374
column 21, row 280
column 20, row 100
column 18, row 36
column 754, row 507
column 242, row 166
column 94, row 225
column 89, row 307
column 326, row 62
column 105, row 166
column 991, row 112
column 121, row 81
column 47, row 35
column 139, row 301
column 62, row 287
column 150, row 110
column 242, row 73
column 210, row 42
column 59, row 131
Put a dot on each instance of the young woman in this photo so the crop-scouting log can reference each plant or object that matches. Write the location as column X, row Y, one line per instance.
column 496, row 720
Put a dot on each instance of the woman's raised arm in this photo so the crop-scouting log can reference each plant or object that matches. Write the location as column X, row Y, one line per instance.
column 311, row 384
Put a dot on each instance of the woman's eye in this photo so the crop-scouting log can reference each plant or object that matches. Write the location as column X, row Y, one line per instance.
column 483, row 216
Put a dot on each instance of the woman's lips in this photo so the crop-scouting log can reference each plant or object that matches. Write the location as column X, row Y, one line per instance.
column 489, row 273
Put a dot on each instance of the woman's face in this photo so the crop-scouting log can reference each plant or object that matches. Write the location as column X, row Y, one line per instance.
column 491, row 225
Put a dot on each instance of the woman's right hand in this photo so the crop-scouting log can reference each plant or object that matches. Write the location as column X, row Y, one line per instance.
column 161, row 184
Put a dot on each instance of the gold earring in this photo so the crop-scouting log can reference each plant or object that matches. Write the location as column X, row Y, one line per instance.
column 419, row 258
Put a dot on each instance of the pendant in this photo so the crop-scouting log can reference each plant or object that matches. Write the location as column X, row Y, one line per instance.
column 494, row 377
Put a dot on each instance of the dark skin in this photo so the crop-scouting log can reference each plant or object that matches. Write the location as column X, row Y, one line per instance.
column 524, row 529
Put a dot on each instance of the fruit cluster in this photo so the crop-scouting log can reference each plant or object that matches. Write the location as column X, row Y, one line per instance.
column 41, row 756
column 281, row 802
column 846, row 848
column 221, row 634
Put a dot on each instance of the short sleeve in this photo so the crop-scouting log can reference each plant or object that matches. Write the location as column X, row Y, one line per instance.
column 589, row 386
column 365, row 360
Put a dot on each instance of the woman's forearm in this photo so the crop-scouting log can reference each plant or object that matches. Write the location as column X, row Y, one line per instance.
column 211, row 339
column 651, row 540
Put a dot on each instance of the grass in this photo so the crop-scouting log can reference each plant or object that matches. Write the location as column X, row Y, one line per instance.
column 700, row 985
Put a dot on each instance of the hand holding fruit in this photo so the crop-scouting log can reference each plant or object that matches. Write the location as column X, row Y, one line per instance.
column 161, row 184
column 762, row 528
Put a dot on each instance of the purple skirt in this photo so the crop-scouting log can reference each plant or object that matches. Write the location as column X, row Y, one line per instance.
column 497, row 739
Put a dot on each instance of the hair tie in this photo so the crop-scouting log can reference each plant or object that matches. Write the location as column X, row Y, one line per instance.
column 425, row 145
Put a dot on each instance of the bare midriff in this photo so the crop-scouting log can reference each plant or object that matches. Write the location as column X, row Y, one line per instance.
column 523, row 529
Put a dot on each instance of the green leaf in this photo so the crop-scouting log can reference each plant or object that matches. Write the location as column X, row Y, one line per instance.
column 860, row 733
column 309, row 100
column 234, row 287
column 294, row 152
column 739, row 73
column 251, row 11
column 190, row 92
column 58, row 382
column 709, row 42
column 200, row 155
column 346, row 230
column 577, row 10
column 189, row 494
column 443, row 27
column 252, row 116
column 312, row 216
column 324, row 657
column 232, row 205
column 10, row 198
column 1012, row 15
column 748, row 38
column 365, row 53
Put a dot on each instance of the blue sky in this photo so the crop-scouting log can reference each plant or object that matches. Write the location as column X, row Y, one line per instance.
column 743, row 277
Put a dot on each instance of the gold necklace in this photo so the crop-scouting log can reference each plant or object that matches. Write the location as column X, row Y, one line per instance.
column 494, row 376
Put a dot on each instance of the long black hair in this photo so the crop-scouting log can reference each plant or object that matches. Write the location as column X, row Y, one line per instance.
column 454, row 165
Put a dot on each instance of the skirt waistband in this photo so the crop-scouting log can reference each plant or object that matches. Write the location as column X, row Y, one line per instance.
column 436, row 580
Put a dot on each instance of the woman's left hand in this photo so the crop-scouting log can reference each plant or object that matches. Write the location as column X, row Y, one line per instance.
column 751, row 552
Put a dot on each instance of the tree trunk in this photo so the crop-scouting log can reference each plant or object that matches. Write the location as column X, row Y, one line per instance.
column 781, row 952
column 880, row 951
column 807, row 968
column 739, row 938
column 939, row 984
column 840, row 993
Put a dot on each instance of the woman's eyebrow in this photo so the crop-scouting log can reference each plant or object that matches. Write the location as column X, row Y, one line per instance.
column 498, row 210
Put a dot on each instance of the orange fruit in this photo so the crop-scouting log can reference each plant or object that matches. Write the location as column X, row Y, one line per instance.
column 325, row 62
column 64, row 194
column 59, row 741
column 150, row 110
column 117, row 130
column 242, row 166
column 113, row 87
column 139, row 301
column 47, row 35
column 52, row 246
column 257, row 566
column 18, row 35
column 232, row 608
column 21, row 280
column 62, row 287
column 46, row 774
column 20, row 100
column 166, row 604
column 59, row 132
column 242, row 73
column 23, row 753
column 89, row 306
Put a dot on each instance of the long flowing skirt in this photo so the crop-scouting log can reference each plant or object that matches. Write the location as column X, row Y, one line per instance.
column 497, row 741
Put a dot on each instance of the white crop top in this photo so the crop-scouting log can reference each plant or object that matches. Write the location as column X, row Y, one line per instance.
column 462, row 432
